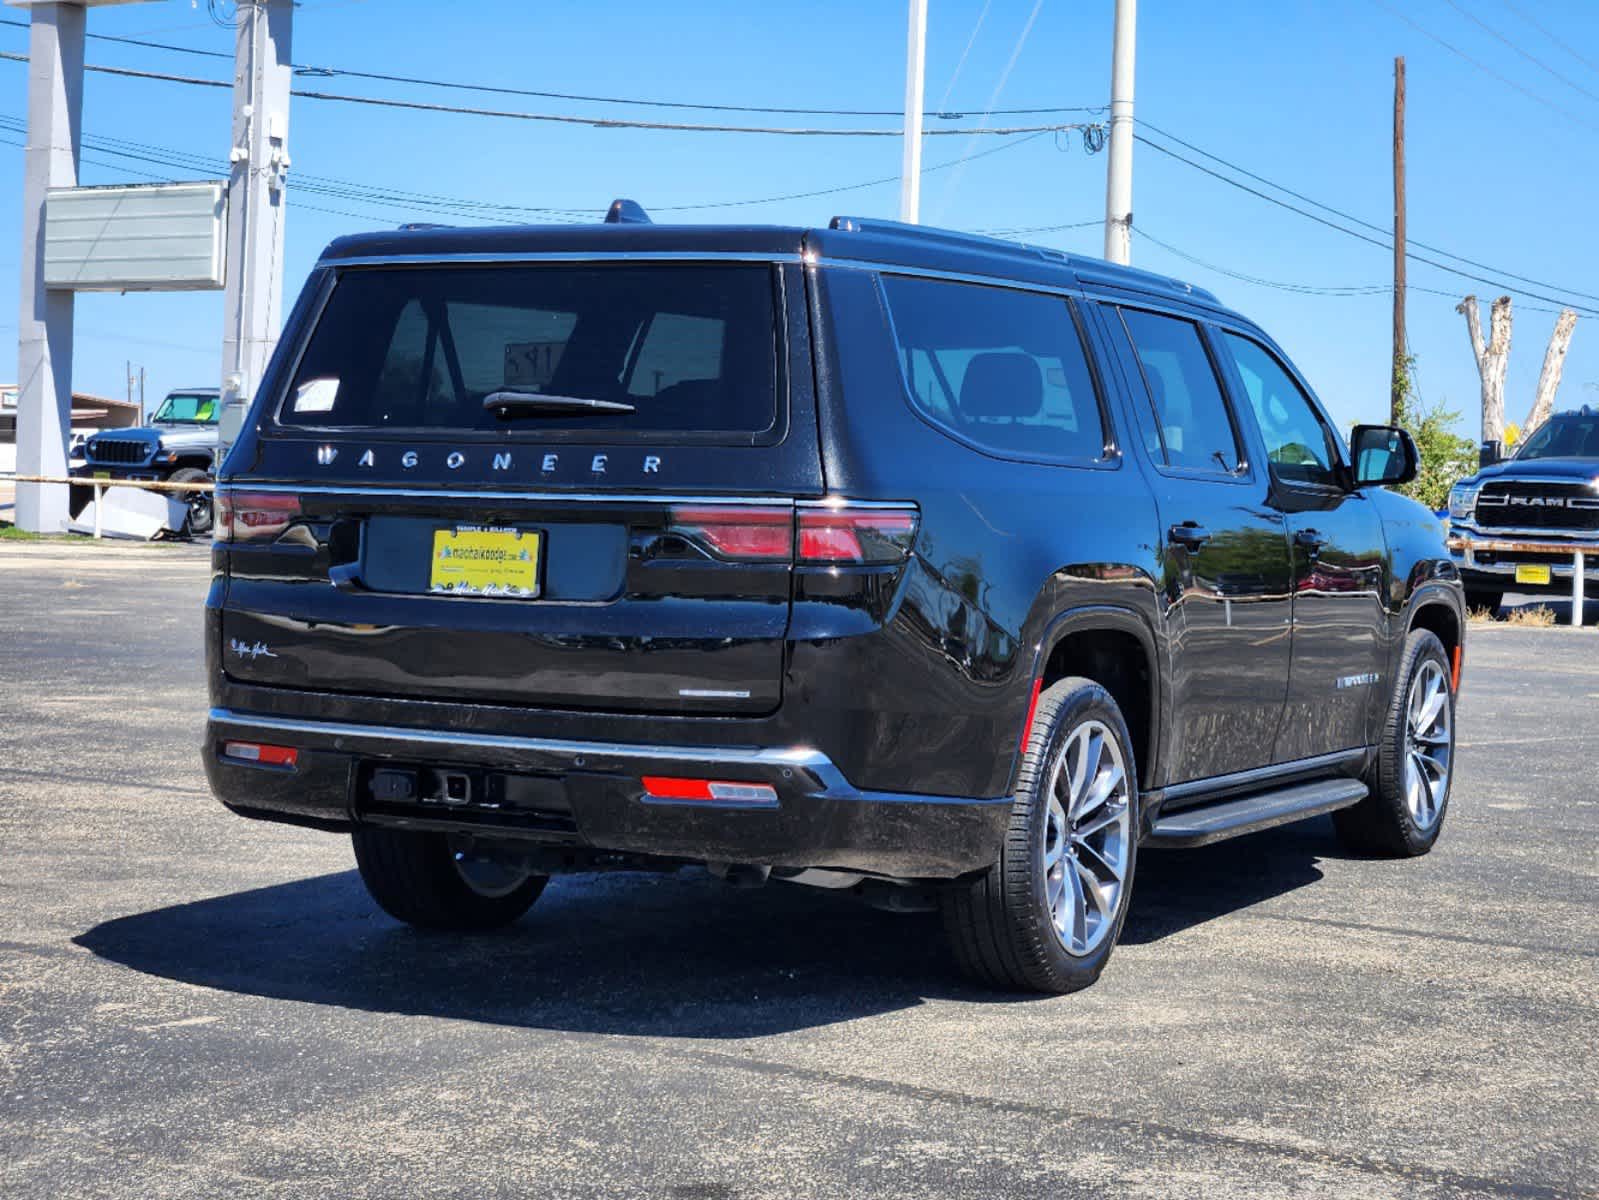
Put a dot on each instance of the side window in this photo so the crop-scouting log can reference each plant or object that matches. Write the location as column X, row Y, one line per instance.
column 1299, row 444
column 1003, row 369
column 1192, row 424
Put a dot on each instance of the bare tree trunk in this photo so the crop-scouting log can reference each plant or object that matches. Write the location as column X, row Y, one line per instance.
column 1493, row 359
column 1554, row 362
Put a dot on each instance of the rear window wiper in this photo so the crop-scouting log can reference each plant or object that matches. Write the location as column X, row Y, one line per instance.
column 515, row 404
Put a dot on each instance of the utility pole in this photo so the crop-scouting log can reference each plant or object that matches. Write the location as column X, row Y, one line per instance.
column 1401, row 343
column 44, row 319
column 910, row 178
column 1119, row 170
column 256, row 203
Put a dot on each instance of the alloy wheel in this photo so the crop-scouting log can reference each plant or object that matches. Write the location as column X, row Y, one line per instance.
column 1087, row 837
column 1429, row 745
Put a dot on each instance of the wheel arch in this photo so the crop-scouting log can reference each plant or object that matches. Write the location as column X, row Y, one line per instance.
column 1116, row 648
column 1439, row 611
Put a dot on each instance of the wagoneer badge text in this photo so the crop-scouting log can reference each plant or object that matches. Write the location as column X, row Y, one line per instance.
column 499, row 460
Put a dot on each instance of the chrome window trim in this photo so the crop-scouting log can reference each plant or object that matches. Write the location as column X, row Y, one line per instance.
column 377, row 491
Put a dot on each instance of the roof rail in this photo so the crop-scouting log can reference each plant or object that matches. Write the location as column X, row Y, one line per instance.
column 947, row 237
column 627, row 212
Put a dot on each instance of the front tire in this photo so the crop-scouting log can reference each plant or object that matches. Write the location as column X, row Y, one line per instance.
column 418, row 879
column 198, row 522
column 1047, row 915
column 1404, row 812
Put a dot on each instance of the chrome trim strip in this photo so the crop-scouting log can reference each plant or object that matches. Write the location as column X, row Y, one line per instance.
column 479, row 257
column 434, row 741
column 229, row 486
column 1491, row 533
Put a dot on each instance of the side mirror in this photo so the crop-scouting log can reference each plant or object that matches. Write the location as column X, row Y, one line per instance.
column 1490, row 453
column 1384, row 456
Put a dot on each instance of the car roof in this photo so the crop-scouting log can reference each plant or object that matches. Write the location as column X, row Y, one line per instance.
column 863, row 240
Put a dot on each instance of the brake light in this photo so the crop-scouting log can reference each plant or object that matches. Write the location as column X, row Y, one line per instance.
column 744, row 533
column 253, row 516
column 842, row 534
column 260, row 754
column 707, row 791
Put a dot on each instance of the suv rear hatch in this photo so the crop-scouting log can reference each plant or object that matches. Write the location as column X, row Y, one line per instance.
column 547, row 483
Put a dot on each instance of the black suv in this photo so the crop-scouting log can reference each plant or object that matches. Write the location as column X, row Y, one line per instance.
column 940, row 569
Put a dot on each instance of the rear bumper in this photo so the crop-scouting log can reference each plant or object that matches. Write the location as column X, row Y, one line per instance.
column 819, row 818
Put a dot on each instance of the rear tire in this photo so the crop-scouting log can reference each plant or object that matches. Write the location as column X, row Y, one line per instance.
column 1410, row 783
column 1047, row 915
column 416, row 878
column 1490, row 600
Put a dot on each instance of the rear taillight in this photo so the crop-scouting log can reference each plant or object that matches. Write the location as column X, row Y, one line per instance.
column 832, row 534
column 742, row 533
column 844, row 534
column 253, row 516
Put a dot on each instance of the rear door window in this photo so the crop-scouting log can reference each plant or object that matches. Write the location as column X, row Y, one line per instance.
column 1193, row 429
column 671, row 349
column 1004, row 370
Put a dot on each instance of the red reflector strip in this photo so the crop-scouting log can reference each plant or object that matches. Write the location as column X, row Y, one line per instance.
column 261, row 754
column 708, row 791
column 1032, row 711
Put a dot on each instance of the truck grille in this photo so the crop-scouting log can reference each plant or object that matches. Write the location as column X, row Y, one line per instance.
column 1516, row 504
column 120, row 453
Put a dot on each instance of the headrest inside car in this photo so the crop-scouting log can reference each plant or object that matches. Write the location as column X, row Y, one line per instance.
column 1002, row 384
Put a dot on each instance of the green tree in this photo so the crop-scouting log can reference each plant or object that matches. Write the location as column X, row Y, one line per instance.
column 1446, row 457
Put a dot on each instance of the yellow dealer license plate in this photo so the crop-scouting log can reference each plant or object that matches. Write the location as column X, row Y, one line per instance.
column 478, row 560
column 1532, row 574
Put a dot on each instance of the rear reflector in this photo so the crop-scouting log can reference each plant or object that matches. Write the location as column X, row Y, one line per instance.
column 869, row 536
column 253, row 516
column 708, row 791
column 743, row 533
column 260, row 754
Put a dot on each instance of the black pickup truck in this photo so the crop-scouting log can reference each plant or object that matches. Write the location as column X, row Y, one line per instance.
column 940, row 569
column 1516, row 524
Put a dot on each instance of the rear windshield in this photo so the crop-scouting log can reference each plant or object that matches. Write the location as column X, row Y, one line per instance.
column 689, row 349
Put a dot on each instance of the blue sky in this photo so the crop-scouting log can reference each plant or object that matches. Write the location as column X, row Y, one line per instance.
column 1501, row 159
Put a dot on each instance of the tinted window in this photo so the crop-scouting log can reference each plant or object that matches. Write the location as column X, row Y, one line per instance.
column 1564, row 437
column 1192, row 425
column 1298, row 443
column 689, row 348
column 1004, row 369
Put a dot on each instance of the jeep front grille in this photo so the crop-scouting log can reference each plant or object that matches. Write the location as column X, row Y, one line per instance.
column 1528, row 504
column 120, row 453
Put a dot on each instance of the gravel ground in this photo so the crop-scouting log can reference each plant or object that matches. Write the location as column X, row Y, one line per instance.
column 195, row 1005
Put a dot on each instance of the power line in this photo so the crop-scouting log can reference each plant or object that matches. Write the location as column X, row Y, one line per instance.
column 1353, row 291
column 1532, row 58
column 1350, row 217
column 563, row 119
column 1561, row 42
column 499, row 90
column 1485, row 68
column 1381, row 244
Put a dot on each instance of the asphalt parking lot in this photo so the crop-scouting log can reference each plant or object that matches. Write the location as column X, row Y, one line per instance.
column 196, row 1005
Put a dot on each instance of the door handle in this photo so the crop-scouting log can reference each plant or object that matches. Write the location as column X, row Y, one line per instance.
column 1311, row 541
column 1188, row 535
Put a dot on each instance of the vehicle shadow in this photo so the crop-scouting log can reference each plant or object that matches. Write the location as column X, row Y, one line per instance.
column 1178, row 889
column 656, row 955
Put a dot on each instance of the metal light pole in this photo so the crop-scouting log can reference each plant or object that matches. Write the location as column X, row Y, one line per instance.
column 910, row 182
column 253, row 300
column 1119, row 171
